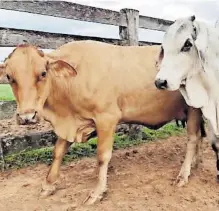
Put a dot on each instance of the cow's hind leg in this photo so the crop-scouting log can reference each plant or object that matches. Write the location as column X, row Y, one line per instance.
column 49, row 186
column 105, row 130
column 193, row 152
column 216, row 150
column 197, row 159
column 214, row 144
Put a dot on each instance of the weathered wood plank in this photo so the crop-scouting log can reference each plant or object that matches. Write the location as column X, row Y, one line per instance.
column 65, row 10
column 154, row 23
column 13, row 37
column 82, row 12
column 130, row 33
column 45, row 40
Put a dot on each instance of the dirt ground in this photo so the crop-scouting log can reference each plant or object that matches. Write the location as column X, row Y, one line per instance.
column 140, row 179
column 10, row 127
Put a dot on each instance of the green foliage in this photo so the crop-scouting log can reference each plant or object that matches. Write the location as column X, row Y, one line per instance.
column 79, row 150
column 166, row 131
column 6, row 92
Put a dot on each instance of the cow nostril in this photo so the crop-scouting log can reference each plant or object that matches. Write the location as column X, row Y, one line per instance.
column 35, row 113
column 161, row 84
column 164, row 83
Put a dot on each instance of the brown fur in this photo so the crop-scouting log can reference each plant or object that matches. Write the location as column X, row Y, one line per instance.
column 101, row 85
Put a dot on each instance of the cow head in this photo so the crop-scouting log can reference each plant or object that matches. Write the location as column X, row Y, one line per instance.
column 180, row 57
column 29, row 73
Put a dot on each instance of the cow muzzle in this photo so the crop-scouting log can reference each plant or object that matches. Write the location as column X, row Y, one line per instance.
column 27, row 118
column 161, row 84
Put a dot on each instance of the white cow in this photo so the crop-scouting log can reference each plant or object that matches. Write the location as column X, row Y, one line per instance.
column 189, row 61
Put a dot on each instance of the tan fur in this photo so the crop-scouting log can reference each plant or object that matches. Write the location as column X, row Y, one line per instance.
column 101, row 86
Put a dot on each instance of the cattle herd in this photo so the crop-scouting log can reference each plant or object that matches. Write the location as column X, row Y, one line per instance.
column 87, row 87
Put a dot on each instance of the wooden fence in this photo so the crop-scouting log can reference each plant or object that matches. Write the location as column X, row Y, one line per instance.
column 128, row 21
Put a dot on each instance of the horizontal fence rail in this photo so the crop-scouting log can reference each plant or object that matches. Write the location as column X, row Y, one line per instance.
column 12, row 37
column 128, row 20
column 83, row 13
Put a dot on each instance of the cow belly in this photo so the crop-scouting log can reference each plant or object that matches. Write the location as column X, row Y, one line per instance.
column 154, row 113
column 153, row 119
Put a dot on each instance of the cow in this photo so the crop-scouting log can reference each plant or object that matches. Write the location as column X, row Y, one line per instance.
column 87, row 86
column 189, row 62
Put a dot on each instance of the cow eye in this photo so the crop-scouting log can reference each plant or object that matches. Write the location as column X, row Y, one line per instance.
column 187, row 46
column 8, row 77
column 11, row 80
column 43, row 74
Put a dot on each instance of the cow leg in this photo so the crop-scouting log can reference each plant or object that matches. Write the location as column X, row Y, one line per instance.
column 105, row 132
column 216, row 150
column 214, row 144
column 49, row 186
column 193, row 152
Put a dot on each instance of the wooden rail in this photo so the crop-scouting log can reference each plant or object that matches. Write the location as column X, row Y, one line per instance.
column 127, row 20
column 80, row 12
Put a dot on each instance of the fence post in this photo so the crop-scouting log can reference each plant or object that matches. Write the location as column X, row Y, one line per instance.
column 129, row 34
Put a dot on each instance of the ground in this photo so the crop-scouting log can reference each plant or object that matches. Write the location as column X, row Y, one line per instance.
column 10, row 127
column 140, row 178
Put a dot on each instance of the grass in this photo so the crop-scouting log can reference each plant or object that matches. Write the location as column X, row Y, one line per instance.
column 6, row 93
column 77, row 151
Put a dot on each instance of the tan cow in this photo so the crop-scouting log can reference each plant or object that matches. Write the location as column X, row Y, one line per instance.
column 85, row 86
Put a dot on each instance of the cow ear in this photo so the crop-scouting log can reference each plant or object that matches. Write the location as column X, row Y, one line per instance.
column 197, row 95
column 61, row 68
column 207, row 53
column 159, row 57
column 201, row 42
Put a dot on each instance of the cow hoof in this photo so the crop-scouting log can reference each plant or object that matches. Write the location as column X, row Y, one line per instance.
column 181, row 180
column 183, row 177
column 92, row 198
column 45, row 193
column 47, row 190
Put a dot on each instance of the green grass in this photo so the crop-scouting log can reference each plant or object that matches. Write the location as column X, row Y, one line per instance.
column 166, row 131
column 77, row 151
column 6, row 92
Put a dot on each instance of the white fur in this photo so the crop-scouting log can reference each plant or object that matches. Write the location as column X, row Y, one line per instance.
column 199, row 66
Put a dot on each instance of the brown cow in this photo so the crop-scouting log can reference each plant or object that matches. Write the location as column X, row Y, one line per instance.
column 85, row 86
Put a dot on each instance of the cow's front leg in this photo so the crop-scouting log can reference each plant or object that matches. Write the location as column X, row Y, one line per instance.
column 49, row 185
column 193, row 152
column 105, row 131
